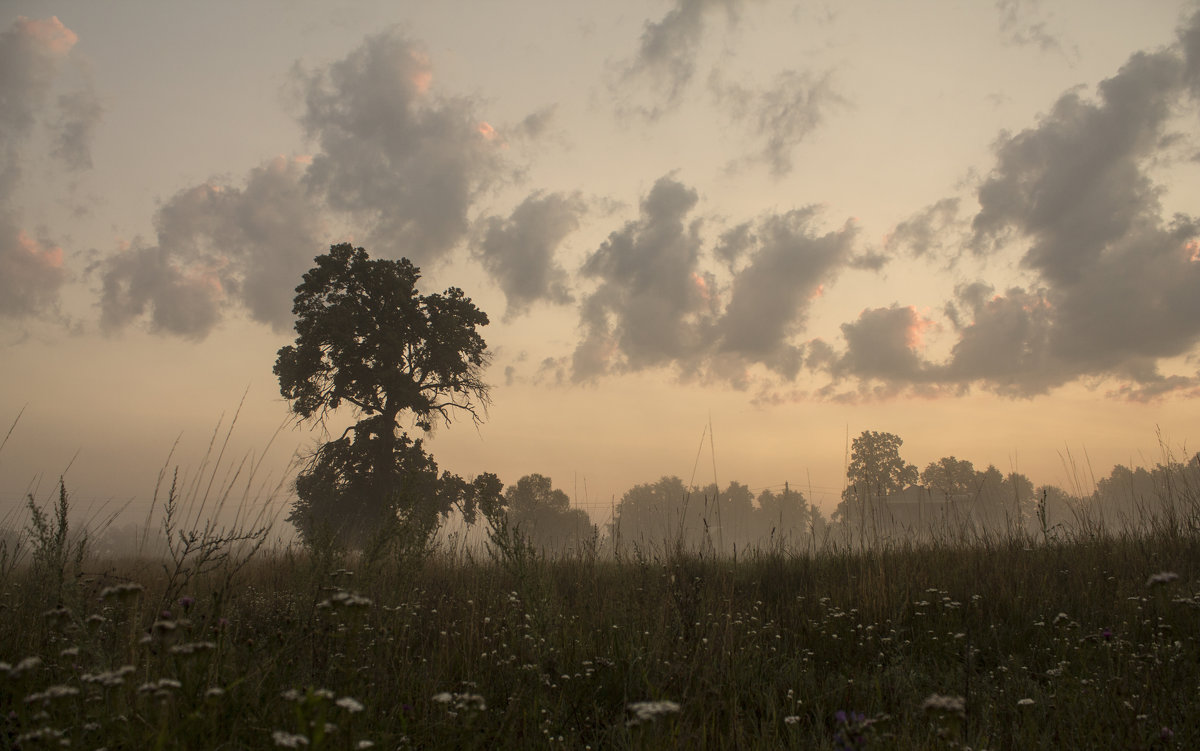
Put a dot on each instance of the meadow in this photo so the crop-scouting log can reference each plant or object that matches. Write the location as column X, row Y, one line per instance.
column 1085, row 639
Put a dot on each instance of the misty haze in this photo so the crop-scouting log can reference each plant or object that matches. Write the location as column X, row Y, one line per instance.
column 694, row 374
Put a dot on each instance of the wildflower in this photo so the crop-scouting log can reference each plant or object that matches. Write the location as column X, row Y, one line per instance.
column 646, row 711
column 1106, row 634
column 791, row 719
column 364, row 744
column 1026, row 702
column 192, row 647
column 947, row 704
column 1162, row 577
column 288, row 740
column 186, row 602
column 214, row 693
column 29, row 663
column 343, row 599
column 350, row 704
column 57, row 615
column 43, row 734
column 122, row 592
column 852, row 727
column 109, row 678
column 54, row 692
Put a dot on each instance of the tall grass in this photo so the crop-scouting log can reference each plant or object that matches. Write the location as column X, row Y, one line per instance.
column 1012, row 640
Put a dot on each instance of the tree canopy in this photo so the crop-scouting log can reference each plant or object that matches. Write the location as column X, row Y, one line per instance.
column 365, row 336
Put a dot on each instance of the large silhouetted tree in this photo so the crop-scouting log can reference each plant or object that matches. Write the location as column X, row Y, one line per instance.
column 366, row 338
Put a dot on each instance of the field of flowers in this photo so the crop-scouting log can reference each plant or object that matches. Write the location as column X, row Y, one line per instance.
column 1008, row 643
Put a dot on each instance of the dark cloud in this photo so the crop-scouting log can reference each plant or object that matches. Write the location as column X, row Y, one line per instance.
column 734, row 243
column 145, row 280
column 884, row 344
column 406, row 163
column 770, row 297
column 1116, row 288
column 519, row 252
column 1003, row 341
column 780, row 116
column 219, row 247
column 666, row 56
column 927, row 232
column 392, row 157
column 652, row 306
column 1121, row 282
column 656, row 306
column 80, row 112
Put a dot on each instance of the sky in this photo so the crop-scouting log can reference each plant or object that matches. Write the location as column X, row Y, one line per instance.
column 716, row 239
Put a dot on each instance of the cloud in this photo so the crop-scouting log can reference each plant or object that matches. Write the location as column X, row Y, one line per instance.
column 80, row 112
column 219, row 247
column 770, row 297
column 657, row 307
column 1116, row 284
column 928, row 232
column 1120, row 281
column 666, row 56
column 1020, row 23
column 397, row 158
column 781, row 116
column 884, row 344
column 650, row 308
column 32, row 53
column 519, row 251
column 31, row 272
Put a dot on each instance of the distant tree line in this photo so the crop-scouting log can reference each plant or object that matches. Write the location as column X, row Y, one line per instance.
column 367, row 339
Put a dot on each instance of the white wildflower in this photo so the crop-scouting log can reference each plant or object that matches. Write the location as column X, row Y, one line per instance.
column 1025, row 702
column 948, row 704
column 350, row 704
column 121, row 591
column 288, row 740
column 1162, row 577
column 646, row 711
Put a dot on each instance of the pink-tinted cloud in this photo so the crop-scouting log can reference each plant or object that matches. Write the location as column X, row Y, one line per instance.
column 31, row 273
column 49, row 33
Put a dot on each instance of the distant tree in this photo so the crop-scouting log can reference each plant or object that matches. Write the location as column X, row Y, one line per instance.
column 543, row 514
column 951, row 476
column 784, row 514
column 365, row 337
column 876, row 470
column 659, row 514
